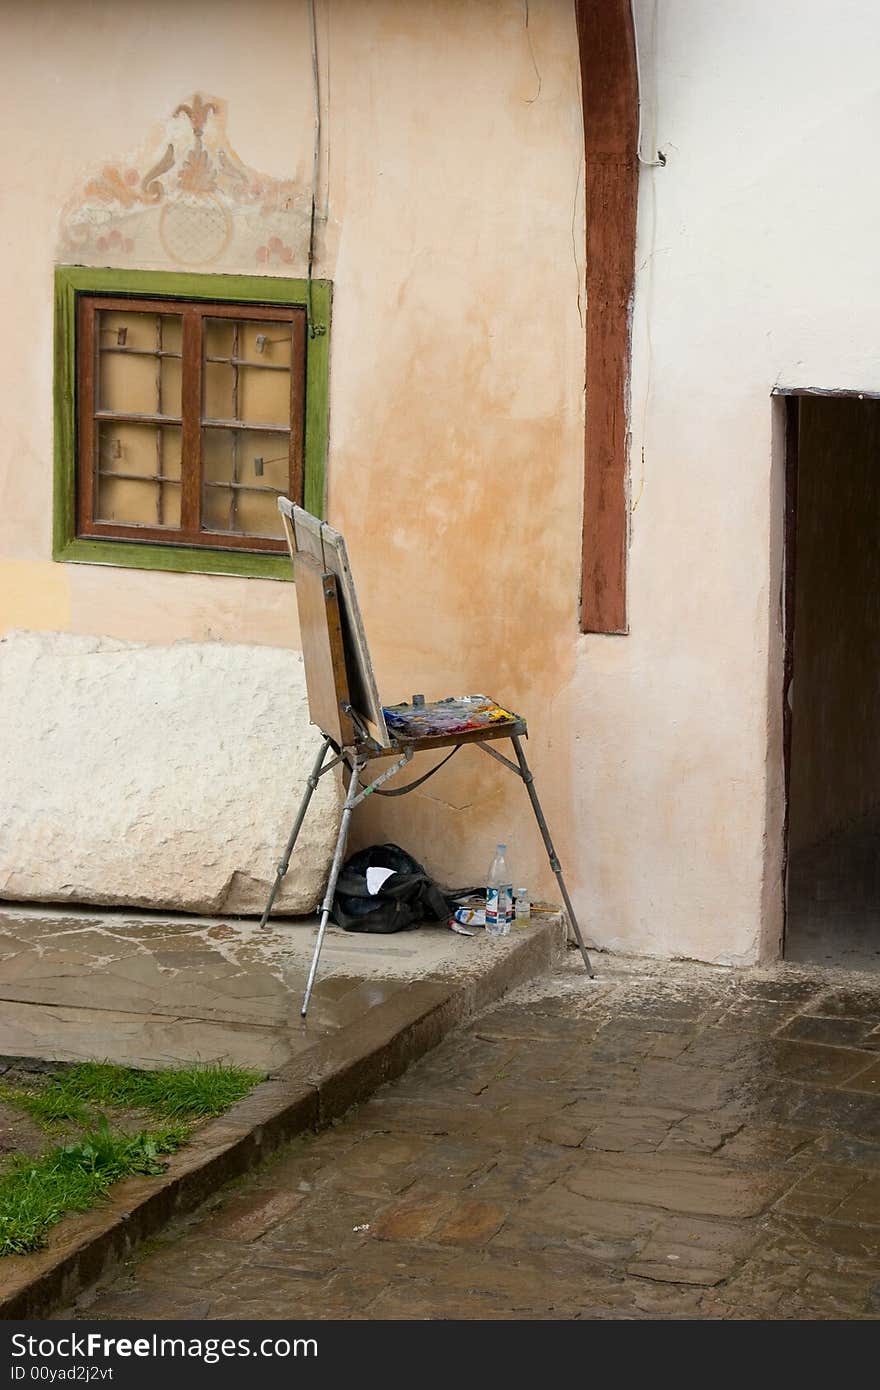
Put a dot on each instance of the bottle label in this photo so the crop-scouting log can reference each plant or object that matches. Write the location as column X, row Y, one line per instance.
column 499, row 908
column 491, row 907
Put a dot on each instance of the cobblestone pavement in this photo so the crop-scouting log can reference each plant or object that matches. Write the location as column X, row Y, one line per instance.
column 670, row 1141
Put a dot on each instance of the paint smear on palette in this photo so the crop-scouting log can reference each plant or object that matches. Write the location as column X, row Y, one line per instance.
column 456, row 715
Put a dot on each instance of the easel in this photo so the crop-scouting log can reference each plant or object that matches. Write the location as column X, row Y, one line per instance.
column 343, row 703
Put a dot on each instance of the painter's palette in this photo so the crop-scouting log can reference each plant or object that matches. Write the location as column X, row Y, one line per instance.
column 459, row 714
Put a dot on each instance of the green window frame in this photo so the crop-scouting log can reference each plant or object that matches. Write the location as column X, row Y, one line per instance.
column 72, row 282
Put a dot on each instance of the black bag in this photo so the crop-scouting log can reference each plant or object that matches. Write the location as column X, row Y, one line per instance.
column 404, row 900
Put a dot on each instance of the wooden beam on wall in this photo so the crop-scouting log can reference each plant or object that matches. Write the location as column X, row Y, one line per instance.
column 610, row 95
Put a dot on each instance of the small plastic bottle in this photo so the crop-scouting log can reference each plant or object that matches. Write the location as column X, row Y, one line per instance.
column 523, row 907
column 499, row 895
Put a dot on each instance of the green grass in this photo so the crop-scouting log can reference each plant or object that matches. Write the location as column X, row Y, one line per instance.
column 37, row 1192
column 75, row 1093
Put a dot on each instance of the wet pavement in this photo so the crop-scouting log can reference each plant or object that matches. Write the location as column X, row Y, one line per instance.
column 669, row 1141
column 153, row 989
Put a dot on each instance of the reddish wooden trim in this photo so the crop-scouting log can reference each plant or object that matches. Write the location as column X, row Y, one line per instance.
column 208, row 309
column 610, row 110
column 191, row 435
column 85, row 405
column 125, row 305
column 191, row 531
column 253, row 313
column 170, row 535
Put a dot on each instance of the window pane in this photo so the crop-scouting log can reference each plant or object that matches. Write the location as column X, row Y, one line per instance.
column 244, row 471
column 247, row 371
column 139, row 363
column 258, row 514
column 170, row 386
column 127, row 385
column 172, row 332
column 219, row 334
column 220, row 389
column 264, row 396
column 138, row 474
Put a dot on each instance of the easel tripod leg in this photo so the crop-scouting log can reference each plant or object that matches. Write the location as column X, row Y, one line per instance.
column 555, row 865
column 284, row 865
column 326, row 906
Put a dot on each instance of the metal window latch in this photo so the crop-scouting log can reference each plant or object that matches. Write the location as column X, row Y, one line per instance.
column 262, row 341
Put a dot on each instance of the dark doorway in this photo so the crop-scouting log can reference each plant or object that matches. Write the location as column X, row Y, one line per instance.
column 833, row 680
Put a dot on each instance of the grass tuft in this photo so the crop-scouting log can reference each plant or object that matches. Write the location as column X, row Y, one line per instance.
column 191, row 1092
column 36, row 1192
column 49, row 1106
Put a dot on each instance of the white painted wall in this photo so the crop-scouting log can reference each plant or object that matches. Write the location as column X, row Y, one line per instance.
column 757, row 254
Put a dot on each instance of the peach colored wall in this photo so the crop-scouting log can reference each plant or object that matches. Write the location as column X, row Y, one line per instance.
column 451, row 226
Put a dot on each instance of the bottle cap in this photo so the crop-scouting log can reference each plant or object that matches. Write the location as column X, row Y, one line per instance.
column 521, row 892
column 501, row 847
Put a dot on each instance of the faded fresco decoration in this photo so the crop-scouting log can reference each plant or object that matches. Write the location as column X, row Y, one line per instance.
column 188, row 200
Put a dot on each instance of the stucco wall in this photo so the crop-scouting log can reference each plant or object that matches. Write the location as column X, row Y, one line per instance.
column 757, row 247
column 454, row 240
column 453, row 235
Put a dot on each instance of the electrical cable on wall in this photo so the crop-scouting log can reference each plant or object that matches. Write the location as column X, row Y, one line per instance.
column 531, row 100
column 316, row 158
column 660, row 160
column 326, row 143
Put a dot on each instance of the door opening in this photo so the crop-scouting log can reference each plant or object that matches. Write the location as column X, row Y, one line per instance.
column 832, row 680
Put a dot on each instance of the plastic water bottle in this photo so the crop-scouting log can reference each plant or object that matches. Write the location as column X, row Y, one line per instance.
column 499, row 895
column 522, row 907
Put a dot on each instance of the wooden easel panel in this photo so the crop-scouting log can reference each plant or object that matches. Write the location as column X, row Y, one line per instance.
column 307, row 535
column 323, row 655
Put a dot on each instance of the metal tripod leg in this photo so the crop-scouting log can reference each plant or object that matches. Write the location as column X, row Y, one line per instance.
column 526, row 774
column 352, row 795
column 311, row 784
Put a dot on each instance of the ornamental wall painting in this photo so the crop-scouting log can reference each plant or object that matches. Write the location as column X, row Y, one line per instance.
column 188, row 200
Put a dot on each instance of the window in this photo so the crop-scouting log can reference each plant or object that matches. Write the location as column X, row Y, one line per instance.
column 186, row 405
column 190, row 420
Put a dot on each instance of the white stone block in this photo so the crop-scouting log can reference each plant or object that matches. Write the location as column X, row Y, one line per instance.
column 159, row 777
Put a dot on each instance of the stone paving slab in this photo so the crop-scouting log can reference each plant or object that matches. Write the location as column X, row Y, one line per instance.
column 153, row 990
column 645, row 1146
column 99, row 974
